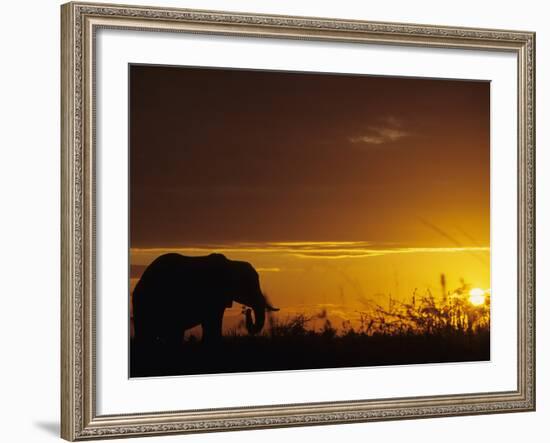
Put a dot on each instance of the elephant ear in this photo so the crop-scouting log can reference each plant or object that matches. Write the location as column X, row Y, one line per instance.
column 223, row 273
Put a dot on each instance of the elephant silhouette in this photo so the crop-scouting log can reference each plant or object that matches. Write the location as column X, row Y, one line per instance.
column 177, row 292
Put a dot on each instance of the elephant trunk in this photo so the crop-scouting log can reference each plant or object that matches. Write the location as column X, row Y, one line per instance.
column 255, row 326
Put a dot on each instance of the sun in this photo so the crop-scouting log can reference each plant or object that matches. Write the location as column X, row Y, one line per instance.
column 477, row 296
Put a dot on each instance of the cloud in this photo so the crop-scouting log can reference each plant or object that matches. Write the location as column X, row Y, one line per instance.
column 389, row 130
column 307, row 250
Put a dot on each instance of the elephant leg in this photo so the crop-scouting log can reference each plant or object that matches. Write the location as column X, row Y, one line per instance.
column 174, row 339
column 212, row 328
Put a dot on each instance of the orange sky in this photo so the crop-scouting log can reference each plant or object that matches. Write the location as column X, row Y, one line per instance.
column 339, row 189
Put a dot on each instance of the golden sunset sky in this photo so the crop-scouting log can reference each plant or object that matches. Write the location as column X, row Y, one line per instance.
column 339, row 189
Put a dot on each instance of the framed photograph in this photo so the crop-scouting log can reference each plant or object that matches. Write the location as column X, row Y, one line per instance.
column 283, row 221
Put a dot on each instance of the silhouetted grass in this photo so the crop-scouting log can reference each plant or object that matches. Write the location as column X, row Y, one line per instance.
column 425, row 330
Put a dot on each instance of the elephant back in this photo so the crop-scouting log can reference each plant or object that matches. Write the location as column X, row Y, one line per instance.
column 174, row 284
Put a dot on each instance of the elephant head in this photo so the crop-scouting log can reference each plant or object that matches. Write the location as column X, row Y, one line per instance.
column 245, row 289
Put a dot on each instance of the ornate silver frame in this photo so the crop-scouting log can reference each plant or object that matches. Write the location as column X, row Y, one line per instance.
column 80, row 21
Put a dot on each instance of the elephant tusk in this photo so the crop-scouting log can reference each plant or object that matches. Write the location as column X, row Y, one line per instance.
column 270, row 308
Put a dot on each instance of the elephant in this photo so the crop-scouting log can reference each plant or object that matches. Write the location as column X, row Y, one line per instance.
column 177, row 292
